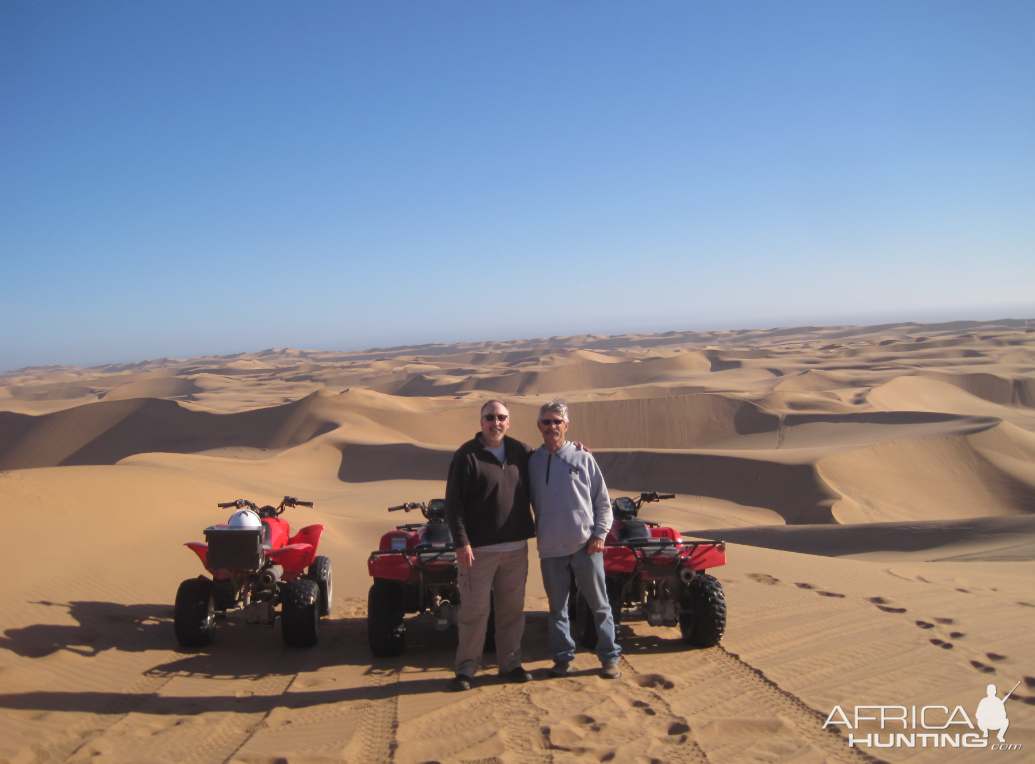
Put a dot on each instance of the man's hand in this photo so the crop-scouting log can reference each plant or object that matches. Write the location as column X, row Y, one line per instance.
column 596, row 546
column 580, row 446
column 465, row 556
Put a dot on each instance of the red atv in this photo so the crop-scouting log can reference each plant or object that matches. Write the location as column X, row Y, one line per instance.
column 657, row 576
column 414, row 571
column 256, row 564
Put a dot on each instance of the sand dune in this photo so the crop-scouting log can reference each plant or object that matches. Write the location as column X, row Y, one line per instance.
column 875, row 486
column 988, row 539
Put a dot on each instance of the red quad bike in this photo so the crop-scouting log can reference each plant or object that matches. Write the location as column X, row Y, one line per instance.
column 256, row 565
column 655, row 575
column 414, row 571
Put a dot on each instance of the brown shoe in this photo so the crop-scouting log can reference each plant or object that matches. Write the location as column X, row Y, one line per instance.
column 610, row 671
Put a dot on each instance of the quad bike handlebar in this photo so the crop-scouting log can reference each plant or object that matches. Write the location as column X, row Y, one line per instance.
column 239, row 504
column 268, row 510
column 653, row 496
column 625, row 507
column 434, row 510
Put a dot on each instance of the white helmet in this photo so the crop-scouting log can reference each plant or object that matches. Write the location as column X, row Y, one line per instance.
column 244, row 518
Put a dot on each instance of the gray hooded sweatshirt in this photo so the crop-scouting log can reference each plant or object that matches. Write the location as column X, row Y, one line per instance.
column 570, row 500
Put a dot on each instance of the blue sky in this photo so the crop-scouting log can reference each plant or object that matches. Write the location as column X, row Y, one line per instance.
column 189, row 178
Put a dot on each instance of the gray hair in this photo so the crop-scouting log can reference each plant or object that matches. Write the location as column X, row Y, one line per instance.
column 489, row 403
column 558, row 407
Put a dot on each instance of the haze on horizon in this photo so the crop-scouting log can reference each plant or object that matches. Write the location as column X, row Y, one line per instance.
column 183, row 179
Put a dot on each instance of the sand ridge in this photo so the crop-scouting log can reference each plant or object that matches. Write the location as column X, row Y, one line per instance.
column 876, row 485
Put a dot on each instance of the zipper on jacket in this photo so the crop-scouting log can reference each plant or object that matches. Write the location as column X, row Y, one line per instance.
column 548, row 460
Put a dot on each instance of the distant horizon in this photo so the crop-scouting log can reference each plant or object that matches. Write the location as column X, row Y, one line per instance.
column 790, row 327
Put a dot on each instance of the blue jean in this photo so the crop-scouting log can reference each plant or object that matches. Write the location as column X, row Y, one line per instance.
column 589, row 574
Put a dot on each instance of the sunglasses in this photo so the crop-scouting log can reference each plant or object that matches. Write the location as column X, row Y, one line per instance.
column 549, row 422
column 496, row 417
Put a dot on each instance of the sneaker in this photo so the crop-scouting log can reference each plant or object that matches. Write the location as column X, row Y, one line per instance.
column 517, row 674
column 560, row 668
column 460, row 682
column 610, row 671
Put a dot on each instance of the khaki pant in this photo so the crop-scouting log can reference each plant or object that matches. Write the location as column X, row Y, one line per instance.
column 504, row 574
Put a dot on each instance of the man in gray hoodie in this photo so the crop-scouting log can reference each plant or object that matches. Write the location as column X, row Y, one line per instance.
column 573, row 516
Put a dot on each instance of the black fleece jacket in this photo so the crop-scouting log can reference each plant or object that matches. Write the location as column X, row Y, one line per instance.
column 488, row 502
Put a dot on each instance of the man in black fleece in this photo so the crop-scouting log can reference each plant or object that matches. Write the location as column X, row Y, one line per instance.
column 490, row 517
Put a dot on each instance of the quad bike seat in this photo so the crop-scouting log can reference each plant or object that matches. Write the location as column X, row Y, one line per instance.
column 437, row 534
column 636, row 532
column 633, row 529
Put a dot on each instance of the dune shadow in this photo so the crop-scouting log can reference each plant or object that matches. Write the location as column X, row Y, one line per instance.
column 395, row 461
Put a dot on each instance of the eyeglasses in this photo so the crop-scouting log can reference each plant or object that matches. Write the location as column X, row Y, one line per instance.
column 549, row 422
column 496, row 417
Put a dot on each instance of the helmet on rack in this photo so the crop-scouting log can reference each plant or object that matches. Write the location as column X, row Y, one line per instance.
column 244, row 518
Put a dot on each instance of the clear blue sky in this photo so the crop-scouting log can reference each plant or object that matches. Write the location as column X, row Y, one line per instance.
column 188, row 178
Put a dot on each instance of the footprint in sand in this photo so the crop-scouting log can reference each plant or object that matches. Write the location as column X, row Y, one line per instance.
column 653, row 680
column 925, row 625
column 945, row 621
column 942, row 644
column 995, row 657
column 644, row 707
column 956, row 634
column 1026, row 604
column 882, row 604
column 965, row 591
column 812, row 588
column 763, row 578
column 983, row 668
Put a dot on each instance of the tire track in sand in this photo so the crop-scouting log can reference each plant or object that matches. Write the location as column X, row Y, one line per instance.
column 235, row 728
column 375, row 741
column 112, row 712
column 714, row 685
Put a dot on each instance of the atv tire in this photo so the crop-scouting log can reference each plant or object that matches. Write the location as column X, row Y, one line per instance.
column 386, row 631
column 320, row 572
column 585, row 623
column 300, row 613
column 614, row 598
column 703, row 617
column 194, row 620
column 490, row 627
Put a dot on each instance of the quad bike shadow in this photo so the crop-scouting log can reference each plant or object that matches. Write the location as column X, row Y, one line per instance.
column 101, row 626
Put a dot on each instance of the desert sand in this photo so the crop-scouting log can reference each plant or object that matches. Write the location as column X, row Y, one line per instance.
column 875, row 485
